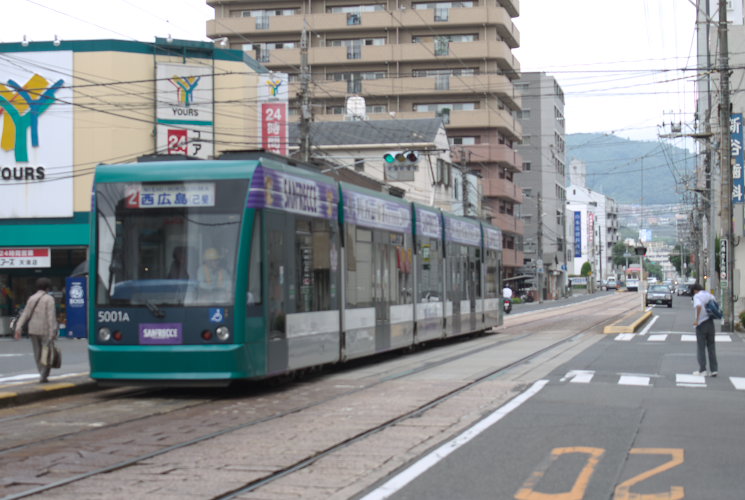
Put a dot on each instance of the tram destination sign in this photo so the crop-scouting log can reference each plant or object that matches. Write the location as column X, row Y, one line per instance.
column 191, row 194
column 25, row 258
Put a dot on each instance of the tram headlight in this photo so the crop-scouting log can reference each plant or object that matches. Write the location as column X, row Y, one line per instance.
column 222, row 333
column 104, row 334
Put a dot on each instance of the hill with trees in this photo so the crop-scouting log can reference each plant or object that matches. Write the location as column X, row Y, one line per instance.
column 617, row 167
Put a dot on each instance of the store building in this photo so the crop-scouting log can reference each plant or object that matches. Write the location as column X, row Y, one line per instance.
column 69, row 106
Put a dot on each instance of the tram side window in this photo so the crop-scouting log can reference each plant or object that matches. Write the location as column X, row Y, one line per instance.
column 400, row 283
column 457, row 263
column 359, row 267
column 430, row 276
column 492, row 274
column 313, row 249
column 474, row 281
column 254, row 266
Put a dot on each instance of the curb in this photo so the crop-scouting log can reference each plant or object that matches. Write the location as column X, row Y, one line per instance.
column 29, row 393
column 623, row 326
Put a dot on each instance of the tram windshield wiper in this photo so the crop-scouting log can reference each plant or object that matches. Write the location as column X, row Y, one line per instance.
column 153, row 308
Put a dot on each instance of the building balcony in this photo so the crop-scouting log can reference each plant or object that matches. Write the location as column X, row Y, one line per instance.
column 440, row 86
column 508, row 223
column 395, row 21
column 494, row 187
column 512, row 258
column 478, row 118
column 501, row 154
column 357, row 58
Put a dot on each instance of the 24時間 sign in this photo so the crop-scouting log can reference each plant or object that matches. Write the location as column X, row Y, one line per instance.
column 25, row 258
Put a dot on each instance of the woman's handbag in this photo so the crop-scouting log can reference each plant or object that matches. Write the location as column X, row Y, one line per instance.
column 51, row 355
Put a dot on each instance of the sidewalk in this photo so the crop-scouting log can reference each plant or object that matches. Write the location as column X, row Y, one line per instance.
column 19, row 380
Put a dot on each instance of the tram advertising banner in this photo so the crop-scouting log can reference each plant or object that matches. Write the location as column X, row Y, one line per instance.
column 185, row 122
column 291, row 193
column 76, row 299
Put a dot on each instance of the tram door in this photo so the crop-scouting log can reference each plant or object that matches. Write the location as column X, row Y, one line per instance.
column 383, row 255
column 277, row 274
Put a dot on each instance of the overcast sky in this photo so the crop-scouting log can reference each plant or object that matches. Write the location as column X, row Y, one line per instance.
column 617, row 61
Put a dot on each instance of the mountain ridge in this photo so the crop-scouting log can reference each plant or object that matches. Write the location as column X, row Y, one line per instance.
column 618, row 167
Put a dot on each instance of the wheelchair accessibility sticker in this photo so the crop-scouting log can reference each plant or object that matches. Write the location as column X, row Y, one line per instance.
column 217, row 314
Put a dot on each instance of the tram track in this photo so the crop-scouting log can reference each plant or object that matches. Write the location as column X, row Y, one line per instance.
column 428, row 364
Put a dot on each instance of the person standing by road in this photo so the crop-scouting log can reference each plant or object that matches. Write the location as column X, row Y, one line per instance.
column 705, row 332
column 42, row 323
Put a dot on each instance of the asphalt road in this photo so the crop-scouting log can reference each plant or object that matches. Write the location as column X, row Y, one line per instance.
column 622, row 419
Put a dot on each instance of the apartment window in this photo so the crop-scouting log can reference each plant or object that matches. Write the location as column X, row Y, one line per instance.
column 526, row 140
column 355, row 42
column 421, row 73
column 473, row 37
column 439, row 107
column 526, row 166
column 336, row 110
column 264, row 12
column 442, row 46
column 355, row 9
column 525, row 113
column 354, row 19
column 442, row 5
column 355, row 75
column 506, row 207
column 508, row 241
column 376, row 108
column 359, row 164
column 466, row 140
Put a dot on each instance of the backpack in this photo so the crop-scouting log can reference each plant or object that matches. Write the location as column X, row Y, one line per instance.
column 713, row 309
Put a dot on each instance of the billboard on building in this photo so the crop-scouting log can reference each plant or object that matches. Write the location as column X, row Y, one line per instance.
column 185, row 110
column 273, row 94
column 737, row 157
column 36, row 142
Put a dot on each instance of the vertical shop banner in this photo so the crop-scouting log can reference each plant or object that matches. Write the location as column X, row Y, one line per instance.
column 737, row 157
column 185, row 112
column 578, row 234
column 273, row 95
column 36, row 134
column 274, row 127
column 76, row 301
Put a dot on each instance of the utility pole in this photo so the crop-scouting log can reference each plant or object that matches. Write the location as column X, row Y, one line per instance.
column 726, row 169
column 539, row 253
column 464, row 183
column 304, row 95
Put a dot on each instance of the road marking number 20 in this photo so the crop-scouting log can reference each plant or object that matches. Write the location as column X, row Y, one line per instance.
column 622, row 492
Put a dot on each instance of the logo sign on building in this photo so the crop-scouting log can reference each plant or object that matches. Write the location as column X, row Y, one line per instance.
column 185, row 113
column 25, row 258
column 737, row 157
column 76, row 299
column 273, row 94
column 36, row 143
column 578, row 234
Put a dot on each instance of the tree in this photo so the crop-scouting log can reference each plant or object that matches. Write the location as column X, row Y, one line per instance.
column 586, row 269
column 675, row 260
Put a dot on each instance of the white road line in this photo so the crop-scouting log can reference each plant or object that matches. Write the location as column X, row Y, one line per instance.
column 422, row 465
column 722, row 338
column 685, row 380
column 657, row 337
column 646, row 328
column 688, row 338
column 633, row 380
column 624, row 337
column 578, row 376
column 738, row 382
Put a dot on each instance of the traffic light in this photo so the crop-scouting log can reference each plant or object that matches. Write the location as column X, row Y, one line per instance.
column 401, row 158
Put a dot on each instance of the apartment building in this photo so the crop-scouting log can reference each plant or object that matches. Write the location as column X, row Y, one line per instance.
column 409, row 60
column 543, row 180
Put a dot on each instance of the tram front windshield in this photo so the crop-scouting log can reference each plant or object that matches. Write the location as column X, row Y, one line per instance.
column 172, row 244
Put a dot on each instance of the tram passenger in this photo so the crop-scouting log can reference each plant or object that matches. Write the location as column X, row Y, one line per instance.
column 211, row 274
column 179, row 266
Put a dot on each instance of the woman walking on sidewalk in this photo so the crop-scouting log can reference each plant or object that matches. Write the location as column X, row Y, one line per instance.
column 42, row 323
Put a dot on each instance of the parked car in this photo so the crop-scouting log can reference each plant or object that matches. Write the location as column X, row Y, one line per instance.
column 659, row 294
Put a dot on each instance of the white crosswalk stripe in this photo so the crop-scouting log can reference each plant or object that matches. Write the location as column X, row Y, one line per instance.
column 664, row 337
column 645, row 380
